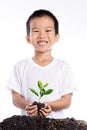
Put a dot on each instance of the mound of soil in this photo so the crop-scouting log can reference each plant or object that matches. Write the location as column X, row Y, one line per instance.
column 17, row 122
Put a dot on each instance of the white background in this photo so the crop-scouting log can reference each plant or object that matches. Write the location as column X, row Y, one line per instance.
column 72, row 46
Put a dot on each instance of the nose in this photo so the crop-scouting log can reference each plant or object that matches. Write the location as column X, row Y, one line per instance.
column 42, row 34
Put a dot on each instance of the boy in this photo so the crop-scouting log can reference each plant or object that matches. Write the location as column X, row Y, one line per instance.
column 42, row 33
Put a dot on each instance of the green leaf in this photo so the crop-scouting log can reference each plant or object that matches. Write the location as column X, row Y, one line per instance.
column 40, row 85
column 45, row 85
column 34, row 91
column 48, row 91
column 42, row 92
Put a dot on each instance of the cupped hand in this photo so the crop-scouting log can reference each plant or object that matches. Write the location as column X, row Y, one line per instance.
column 31, row 110
column 45, row 111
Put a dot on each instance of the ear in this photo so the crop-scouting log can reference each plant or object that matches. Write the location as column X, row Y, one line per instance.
column 57, row 38
column 28, row 39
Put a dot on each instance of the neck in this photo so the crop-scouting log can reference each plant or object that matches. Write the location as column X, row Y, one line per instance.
column 42, row 59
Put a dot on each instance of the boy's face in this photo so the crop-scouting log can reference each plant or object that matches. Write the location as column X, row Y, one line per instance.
column 42, row 33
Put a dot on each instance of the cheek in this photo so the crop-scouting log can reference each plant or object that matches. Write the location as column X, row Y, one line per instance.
column 52, row 38
column 33, row 36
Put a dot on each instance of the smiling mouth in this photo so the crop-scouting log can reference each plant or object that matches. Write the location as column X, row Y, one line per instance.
column 42, row 43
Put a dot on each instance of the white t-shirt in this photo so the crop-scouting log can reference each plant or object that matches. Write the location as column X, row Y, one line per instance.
column 57, row 74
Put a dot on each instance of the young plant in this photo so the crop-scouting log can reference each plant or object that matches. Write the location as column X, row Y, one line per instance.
column 41, row 93
column 42, row 90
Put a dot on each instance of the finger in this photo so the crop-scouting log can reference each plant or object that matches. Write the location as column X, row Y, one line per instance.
column 27, row 107
column 44, row 113
column 32, row 110
column 41, row 113
column 47, row 109
column 30, row 107
column 32, row 113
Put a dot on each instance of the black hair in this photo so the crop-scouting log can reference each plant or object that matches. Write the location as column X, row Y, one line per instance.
column 40, row 13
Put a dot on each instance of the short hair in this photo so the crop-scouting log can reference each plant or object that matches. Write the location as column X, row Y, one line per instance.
column 40, row 13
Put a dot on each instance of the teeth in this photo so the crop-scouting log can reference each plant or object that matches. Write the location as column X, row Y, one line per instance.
column 42, row 43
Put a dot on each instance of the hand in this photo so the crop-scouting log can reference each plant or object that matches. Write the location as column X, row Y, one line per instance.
column 31, row 110
column 45, row 111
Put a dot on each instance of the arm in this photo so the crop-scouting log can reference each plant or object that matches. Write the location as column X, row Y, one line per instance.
column 62, row 103
column 18, row 100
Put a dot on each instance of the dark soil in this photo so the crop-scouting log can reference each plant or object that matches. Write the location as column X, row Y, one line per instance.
column 39, row 106
column 17, row 122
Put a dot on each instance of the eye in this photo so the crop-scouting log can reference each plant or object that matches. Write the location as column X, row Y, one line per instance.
column 48, row 30
column 35, row 30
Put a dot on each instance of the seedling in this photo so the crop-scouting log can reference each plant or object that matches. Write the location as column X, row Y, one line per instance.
column 42, row 90
column 41, row 93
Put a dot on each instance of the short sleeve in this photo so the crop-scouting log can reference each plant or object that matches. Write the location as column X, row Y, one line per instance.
column 14, row 82
column 68, row 80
